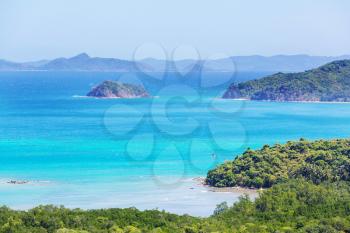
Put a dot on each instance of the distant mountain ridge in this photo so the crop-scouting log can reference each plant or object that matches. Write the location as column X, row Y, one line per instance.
column 83, row 62
column 330, row 82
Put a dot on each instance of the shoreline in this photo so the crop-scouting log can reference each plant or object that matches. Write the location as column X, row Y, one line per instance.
column 235, row 189
column 92, row 97
column 190, row 197
column 290, row 101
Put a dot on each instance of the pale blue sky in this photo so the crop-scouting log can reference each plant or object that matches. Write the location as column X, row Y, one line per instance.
column 38, row 29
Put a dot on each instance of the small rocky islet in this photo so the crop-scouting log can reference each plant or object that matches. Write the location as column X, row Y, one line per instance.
column 17, row 182
column 115, row 89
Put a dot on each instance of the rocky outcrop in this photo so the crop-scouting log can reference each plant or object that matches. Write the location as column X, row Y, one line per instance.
column 18, row 182
column 114, row 89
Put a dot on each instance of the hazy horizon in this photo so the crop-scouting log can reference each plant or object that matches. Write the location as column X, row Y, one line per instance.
column 252, row 55
column 36, row 30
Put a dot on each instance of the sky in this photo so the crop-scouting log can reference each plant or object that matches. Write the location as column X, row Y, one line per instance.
column 46, row 29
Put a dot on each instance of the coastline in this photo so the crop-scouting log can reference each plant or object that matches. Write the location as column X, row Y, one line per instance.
column 275, row 101
column 92, row 97
column 200, row 181
column 190, row 197
column 236, row 189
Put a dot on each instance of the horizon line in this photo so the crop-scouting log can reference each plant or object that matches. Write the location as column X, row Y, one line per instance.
column 182, row 59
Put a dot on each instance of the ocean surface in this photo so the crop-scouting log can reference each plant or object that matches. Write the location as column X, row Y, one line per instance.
column 99, row 153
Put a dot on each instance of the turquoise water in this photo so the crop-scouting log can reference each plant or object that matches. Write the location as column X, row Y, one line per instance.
column 95, row 153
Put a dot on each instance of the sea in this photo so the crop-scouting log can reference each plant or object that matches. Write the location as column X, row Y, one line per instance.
column 146, row 153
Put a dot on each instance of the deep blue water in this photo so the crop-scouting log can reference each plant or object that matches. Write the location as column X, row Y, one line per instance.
column 90, row 153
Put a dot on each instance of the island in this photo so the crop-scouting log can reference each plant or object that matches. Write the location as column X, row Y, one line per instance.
column 330, row 82
column 114, row 89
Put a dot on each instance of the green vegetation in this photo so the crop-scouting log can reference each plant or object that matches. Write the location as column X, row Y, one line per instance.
column 110, row 89
column 330, row 82
column 58, row 219
column 296, row 206
column 317, row 161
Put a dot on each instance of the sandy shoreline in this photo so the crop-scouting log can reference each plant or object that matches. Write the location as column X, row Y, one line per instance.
column 237, row 189
column 200, row 181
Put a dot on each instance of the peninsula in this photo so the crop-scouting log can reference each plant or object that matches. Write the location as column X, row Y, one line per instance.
column 330, row 83
column 315, row 161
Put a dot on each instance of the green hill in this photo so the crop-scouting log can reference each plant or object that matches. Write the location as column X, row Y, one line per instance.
column 317, row 162
column 114, row 89
column 330, row 82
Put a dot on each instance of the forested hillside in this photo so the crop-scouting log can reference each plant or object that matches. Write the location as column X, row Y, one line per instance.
column 330, row 82
column 317, row 161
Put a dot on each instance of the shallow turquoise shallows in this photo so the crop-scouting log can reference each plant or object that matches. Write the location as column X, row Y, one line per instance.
column 98, row 153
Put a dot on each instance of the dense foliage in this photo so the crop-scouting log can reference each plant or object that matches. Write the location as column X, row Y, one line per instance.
column 330, row 82
column 317, row 161
column 296, row 206
column 61, row 220
column 118, row 89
